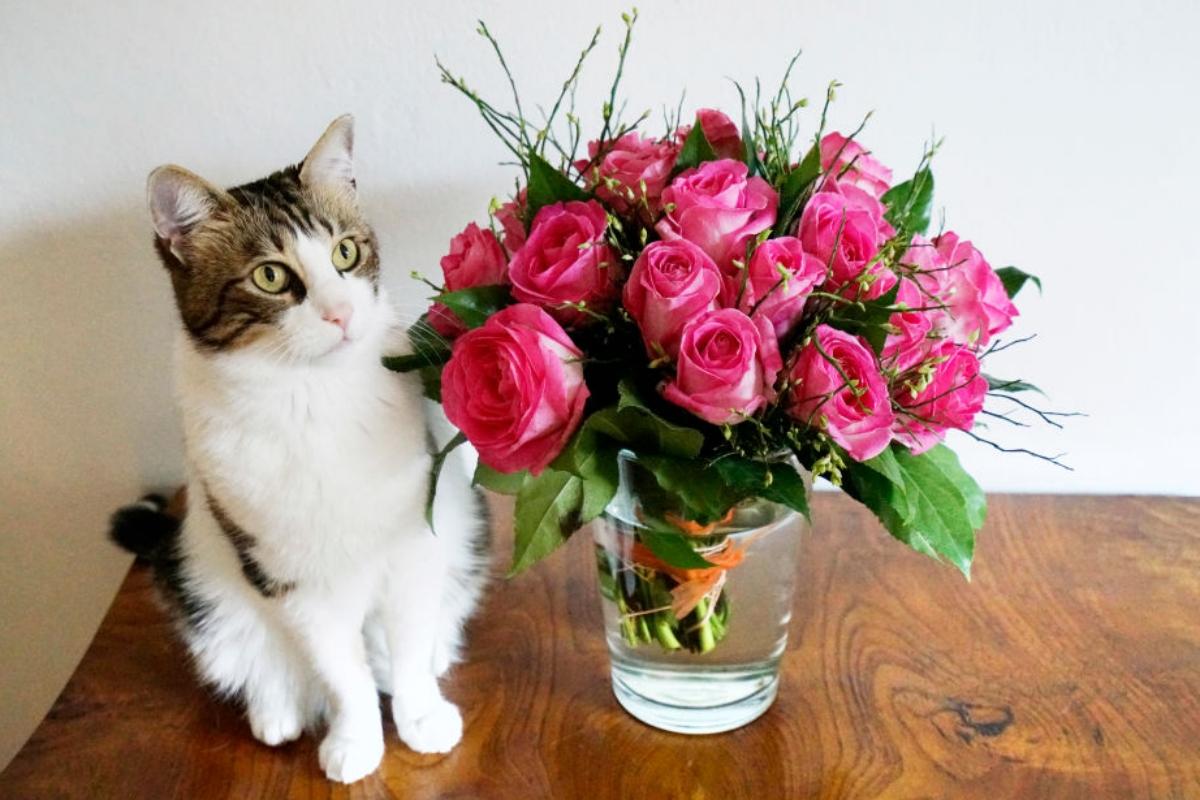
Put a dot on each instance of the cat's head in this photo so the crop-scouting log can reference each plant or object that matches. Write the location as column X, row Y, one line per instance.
column 285, row 266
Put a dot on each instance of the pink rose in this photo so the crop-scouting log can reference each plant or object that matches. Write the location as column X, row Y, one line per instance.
column 950, row 397
column 977, row 306
column 727, row 367
column 910, row 343
column 779, row 279
column 965, row 299
column 514, row 386
column 510, row 216
column 671, row 284
column 719, row 130
column 851, row 163
column 475, row 259
column 717, row 207
column 863, row 199
column 632, row 173
column 856, row 414
column 844, row 228
column 565, row 260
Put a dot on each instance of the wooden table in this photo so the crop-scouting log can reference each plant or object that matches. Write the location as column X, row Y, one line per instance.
column 1068, row 668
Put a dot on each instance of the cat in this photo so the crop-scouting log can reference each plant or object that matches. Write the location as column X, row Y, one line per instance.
column 305, row 577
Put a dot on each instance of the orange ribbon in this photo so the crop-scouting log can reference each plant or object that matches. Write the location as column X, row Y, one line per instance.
column 694, row 584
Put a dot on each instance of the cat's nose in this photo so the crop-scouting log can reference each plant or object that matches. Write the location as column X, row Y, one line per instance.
column 339, row 315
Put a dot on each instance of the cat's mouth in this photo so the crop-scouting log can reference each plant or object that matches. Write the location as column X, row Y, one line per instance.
column 345, row 344
column 341, row 346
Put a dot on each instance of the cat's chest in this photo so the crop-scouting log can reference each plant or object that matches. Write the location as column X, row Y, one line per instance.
column 334, row 461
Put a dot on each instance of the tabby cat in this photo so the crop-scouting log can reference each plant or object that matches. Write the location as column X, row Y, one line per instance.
column 304, row 576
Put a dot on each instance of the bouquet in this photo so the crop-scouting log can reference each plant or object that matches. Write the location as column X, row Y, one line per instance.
column 731, row 305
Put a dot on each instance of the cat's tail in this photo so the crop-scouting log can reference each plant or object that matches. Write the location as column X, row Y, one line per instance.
column 144, row 528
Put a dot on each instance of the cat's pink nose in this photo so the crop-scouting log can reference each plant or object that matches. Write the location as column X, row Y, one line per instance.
column 339, row 315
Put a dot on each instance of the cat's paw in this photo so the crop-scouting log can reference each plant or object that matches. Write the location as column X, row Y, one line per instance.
column 436, row 730
column 277, row 726
column 346, row 759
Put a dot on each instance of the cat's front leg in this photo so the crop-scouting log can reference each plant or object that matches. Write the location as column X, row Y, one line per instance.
column 425, row 720
column 328, row 626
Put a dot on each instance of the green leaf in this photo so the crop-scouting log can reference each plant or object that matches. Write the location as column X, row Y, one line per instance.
column 696, row 149
column 786, row 487
column 409, row 362
column 882, row 476
column 1014, row 279
column 1012, row 387
column 429, row 349
column 884, row 464
column 795, row 185
column 647, row 432
column 497, row 481
column 473, row 306
column 431, row 383
column 947, row 464
column 935, row 508
column 628, row 397
column 546, row 514
column 633, row 423
column 701, row 489
column 870, row 321
column 435, row 471
column 910, row 203
column 886, row 498
column 548, row 186
column 673, row 548
column 778, row 481
column 592, row 458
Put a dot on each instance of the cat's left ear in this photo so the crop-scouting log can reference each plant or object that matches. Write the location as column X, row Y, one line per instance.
column 330, row 163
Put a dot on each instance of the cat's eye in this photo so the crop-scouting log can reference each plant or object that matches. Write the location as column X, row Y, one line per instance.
column 345, row 255
column 271, row 278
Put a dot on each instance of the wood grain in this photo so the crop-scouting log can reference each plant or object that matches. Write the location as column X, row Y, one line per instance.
column 1068, row 668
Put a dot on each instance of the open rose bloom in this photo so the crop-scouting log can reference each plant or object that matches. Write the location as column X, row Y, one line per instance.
column 703, row 297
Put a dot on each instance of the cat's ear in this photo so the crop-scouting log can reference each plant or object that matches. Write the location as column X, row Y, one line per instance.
column 330, row 163
column 179, row 201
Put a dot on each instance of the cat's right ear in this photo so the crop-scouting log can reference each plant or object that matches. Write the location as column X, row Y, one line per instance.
column 179, row 201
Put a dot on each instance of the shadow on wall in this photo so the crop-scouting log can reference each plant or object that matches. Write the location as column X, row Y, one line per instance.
column 85, row 409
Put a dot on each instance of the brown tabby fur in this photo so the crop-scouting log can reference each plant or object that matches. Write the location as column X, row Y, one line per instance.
column 250, row 225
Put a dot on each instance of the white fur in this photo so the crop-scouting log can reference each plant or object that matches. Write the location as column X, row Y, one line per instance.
column 320, row 453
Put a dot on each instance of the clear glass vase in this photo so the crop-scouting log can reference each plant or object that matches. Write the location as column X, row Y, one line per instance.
column 695, row 651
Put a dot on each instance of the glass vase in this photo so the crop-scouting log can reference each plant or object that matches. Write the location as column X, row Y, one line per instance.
column 694, row 650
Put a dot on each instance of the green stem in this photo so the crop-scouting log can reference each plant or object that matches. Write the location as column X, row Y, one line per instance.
column 643, row 630
column 665, row 632
column 718, row 627
column 705, row 632
column 628, row 629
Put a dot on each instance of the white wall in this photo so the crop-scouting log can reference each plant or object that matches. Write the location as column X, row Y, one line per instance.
column 1070, row 151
